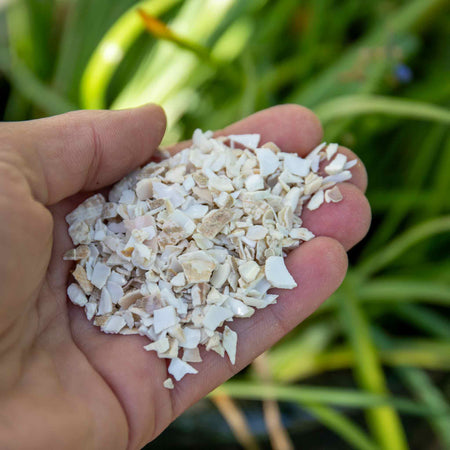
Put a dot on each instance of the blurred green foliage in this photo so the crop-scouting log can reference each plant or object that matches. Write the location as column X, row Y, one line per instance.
column 377, row 74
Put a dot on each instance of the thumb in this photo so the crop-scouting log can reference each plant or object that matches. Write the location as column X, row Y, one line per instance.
column 83, row 150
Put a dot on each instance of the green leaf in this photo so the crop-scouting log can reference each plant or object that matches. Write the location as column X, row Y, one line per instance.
column 349, row 398
column 354, row 105
column 342, row 426
column 401, row 244
column 383, row 421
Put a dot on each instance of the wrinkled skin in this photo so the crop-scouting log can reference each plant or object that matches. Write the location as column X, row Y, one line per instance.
column 63, row 383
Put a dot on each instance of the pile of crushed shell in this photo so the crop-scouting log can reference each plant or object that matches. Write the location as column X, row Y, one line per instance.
column 190, row 243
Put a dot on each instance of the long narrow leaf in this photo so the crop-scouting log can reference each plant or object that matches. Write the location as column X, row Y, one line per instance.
column 355, row 105
column 342, row 426
column 383, row 421
column 32, row 88
column 402, row 243
column 349, row 398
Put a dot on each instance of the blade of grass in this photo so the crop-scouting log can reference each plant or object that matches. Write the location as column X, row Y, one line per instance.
column 405, row 290
column 349, row 398
column 284, row 360
column 380, row 200
column 441, row 182
column 402, row 243
column 418, row 172
column 384, row 422
column 353, row 105
column 424, row 389
column 425, row 319
column 111, row 50
column 420, row 384
column 342, row 426
column 31, row 87
column 168, row 69
column 434, row 356
column 407, row 17
column 84, row 23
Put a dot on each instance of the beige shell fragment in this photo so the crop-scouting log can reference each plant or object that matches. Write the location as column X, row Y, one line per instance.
column 88, row 211
column 249, row 271
column 77, row 253
column 80, row 275
column 333, row 195
column 159, row 346
column 198, row 266
column 191, row 355
column 80, row 233
column 168, row 383
column 214, row 221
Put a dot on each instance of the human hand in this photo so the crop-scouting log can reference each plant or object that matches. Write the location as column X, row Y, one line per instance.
column 64, row 384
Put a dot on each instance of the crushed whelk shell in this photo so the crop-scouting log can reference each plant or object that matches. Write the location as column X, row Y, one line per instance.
column 168, row 383
column 249, row 270
column 336, row 165
column 191, row 355
column 81, row 276
column 229, row 343
column 268, row 161
column 247, row 140
column 331, row 150
column 333, row 195
column 316, row 200
column 76, row 295
column 75, row 254
column 214, row 222
column 277, row 273
column 185, row 245
column 114, row 325
column 164, row 318
column 179, row 368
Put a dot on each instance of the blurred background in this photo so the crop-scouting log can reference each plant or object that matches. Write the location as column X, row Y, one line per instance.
column 370, row 370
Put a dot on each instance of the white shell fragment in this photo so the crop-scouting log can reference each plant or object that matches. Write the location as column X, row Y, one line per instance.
column 337, row 165
column 184, row 246
column 277, row 273
column 316, row 200
column 229, row 343
column 179, row 368
column 247, row 140
column 76, row 295
column 331, row 150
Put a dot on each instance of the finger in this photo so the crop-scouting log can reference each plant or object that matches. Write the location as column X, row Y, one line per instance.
column 292, row 127
column 84, row 150
column 318, row 267
column 347, row 221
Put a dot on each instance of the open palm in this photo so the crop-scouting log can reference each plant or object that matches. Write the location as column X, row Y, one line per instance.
column 63, row 383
